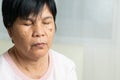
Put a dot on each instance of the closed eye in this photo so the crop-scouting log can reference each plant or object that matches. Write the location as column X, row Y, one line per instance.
column 27, row 24
column 46, row 22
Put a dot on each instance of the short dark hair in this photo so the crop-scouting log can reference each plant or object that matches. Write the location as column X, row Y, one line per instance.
column 11, row 9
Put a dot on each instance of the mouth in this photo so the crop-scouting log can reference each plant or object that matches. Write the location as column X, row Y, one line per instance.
column 39, row 45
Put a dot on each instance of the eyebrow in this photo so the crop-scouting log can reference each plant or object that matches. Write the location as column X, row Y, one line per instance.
column 32, row 20
column 48, row 17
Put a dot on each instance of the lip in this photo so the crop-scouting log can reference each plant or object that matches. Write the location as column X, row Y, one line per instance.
column 39, row 45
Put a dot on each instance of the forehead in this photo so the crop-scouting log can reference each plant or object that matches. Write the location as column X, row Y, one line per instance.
column 45, row 12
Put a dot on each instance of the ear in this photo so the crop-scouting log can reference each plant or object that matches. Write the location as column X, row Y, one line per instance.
column 9, row 30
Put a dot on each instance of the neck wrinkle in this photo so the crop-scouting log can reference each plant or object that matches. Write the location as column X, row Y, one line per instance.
column 28, row 66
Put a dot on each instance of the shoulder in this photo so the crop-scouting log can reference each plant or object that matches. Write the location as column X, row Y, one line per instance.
column 1, row 59
column 2, row 66
column 64, row 68
column 60, row 59
column 3, row 62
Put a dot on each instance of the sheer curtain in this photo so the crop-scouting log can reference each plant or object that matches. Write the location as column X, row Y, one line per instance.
column 117, row 39
column 94, row 25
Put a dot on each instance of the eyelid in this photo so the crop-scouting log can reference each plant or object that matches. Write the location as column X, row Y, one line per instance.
column 29, row 20
column 27, row 23
column 46, row 22
column 46, row 18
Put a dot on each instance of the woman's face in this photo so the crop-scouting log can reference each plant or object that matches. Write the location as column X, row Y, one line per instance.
column 33, row 36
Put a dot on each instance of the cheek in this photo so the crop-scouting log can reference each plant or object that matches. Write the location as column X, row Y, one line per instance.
column 50, row 32
column 50, row 28
column 22, row 42
column 21, row 37
column 50, row 37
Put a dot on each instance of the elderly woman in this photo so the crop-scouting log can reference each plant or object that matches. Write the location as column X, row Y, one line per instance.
column 31, row 26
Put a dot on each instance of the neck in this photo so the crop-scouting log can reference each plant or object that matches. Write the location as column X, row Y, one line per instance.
column 32, row 68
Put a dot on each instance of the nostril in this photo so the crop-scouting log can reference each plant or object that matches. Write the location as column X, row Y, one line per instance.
column 38, row 34
column 42, row 35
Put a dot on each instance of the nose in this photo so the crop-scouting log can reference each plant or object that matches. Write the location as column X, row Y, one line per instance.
column 38, row 31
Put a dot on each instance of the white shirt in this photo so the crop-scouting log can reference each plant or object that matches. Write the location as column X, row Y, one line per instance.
column 60, row 68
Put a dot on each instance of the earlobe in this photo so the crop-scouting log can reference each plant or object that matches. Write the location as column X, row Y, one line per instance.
column 9, row 32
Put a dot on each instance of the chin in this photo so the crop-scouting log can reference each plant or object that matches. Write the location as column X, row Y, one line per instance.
column 40, row 53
